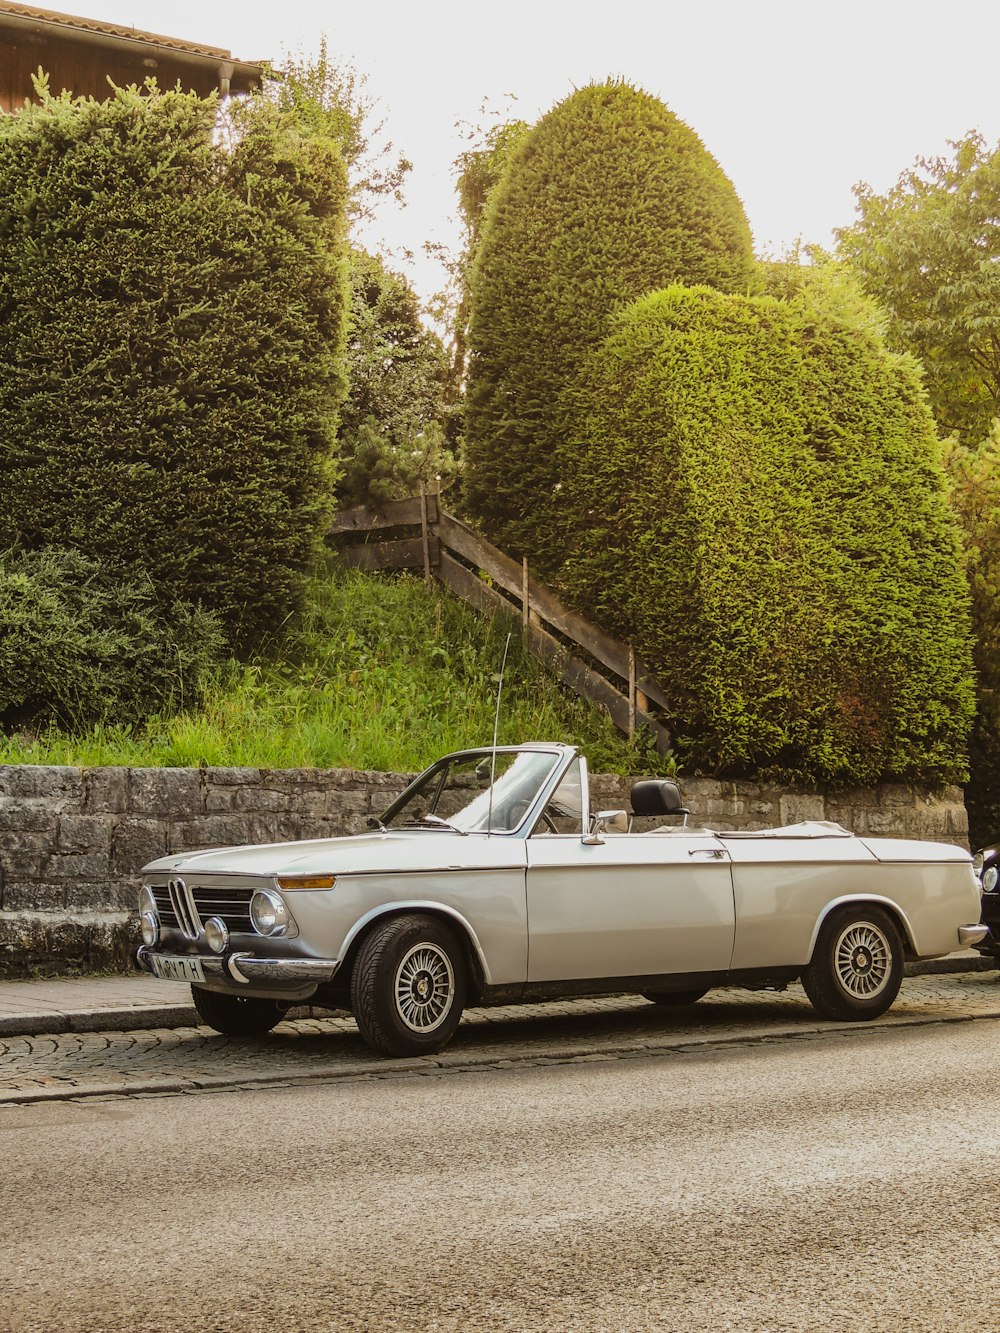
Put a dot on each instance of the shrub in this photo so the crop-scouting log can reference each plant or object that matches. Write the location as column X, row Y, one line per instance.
column 80, row 646
column 754, row 495
column 171, row 330
column 608, row 196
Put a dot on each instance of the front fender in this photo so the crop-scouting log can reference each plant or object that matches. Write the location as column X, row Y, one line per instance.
column 431, row 908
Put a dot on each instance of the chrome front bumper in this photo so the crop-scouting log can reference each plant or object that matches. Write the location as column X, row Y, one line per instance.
column 295, row 978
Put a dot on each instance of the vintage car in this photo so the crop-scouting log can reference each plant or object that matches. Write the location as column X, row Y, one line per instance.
column 986, row 864
column 489, row 881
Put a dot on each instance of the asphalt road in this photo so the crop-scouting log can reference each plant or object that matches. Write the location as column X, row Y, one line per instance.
column 844, row 1180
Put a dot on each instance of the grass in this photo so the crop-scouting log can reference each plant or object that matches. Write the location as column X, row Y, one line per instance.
column 382, row 674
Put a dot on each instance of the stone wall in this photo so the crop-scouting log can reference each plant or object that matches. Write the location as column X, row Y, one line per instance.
column 73, row 840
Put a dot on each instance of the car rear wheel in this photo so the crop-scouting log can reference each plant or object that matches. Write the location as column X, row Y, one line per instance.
column 408, row 986
column 673, row 998
column 236, row 1015
column 857, row 965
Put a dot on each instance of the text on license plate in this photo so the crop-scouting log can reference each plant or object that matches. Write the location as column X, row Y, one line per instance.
column 176, row 969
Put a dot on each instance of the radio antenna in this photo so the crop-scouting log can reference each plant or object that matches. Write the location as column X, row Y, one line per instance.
column 496, row 732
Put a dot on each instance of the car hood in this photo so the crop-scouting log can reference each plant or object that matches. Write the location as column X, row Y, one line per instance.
column 364, row 853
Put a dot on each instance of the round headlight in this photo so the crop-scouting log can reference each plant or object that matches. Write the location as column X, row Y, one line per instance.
column 216, row 934
column 268, row 913
column 147, row 903
column 990, row 877
column 150, row 928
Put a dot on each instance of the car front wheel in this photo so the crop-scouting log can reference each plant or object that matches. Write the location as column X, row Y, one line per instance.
column 236, row 1015
column 857, row 965
column 408, row 986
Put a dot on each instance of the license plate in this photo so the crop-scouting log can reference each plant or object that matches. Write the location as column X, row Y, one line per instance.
column 176, row 969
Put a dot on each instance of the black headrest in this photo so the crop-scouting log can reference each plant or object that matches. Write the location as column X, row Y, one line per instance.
column 657, row 796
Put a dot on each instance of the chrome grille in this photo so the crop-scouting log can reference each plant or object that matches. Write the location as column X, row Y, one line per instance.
column 199, row 902
column 184, row 908
column 232, row 905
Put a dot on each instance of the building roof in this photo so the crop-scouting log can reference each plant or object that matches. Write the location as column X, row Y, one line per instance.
column 46, row 22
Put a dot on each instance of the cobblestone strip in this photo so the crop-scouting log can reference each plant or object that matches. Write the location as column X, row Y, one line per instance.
column 175, row 1060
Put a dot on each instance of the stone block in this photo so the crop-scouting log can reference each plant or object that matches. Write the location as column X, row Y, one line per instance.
column 136, row 841
column 795, row 809
column 726, row 808
column 33, row 895
column 230, row 777
column 895, row 794
column 53, row 782
column 185, row 835
column 345, row 808
column 888, row 823
column 27, row 840
column 17, row 813
column 105, row 790
column 169, row 792
column 104, row 895
column 85, row 865
column 81, row 833
column 54, row 943
column 24, row 864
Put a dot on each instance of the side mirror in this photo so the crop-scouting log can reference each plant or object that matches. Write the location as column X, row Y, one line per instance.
column 606, row 821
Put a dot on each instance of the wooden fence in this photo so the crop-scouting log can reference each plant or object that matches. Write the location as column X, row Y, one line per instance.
column 418, row 534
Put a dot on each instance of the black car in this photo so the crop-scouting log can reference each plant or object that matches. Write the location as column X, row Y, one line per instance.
column 986, row 864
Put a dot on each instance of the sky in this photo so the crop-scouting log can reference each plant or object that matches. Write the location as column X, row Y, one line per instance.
column 797, row 99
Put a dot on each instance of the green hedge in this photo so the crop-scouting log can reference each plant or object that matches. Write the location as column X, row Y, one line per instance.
column 81, row 646
column 753, row 493
column 171, row 332
column 607, row 197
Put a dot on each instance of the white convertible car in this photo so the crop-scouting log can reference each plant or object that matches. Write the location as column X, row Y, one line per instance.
column 489, row 881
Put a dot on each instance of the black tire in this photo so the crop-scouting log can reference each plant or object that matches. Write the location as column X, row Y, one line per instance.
column 236, row 1015
column 408, row 986
column 857, row 965
column 672, row 999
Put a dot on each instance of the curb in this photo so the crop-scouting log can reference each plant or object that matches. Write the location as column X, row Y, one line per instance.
column 134, row 1018
column 440, row 1065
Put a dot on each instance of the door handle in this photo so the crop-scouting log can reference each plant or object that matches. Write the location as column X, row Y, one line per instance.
column 712, row 853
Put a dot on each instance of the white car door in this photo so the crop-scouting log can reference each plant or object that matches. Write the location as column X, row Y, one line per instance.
column 633, row 905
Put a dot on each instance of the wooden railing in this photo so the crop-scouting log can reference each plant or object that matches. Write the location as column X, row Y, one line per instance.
column 418, row 534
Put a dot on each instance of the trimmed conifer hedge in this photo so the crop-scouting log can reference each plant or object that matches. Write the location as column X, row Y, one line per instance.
column 608, row 196
column 752, row 492
column 171, row 333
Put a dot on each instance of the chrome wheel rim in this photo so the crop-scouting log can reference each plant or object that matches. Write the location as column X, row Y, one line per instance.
column 424, row 988
column 862, row 958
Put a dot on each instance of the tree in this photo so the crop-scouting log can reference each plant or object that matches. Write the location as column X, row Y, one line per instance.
column 171, row 345
column 974, row 485
column 391, row 434
column 753, row 495
column 929, row 251
column 330, row 98
column 608, row 196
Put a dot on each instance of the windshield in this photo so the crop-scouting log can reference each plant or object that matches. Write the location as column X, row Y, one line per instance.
column 456, row 793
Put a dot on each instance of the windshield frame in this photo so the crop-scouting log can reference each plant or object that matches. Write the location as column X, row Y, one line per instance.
column 564, row 755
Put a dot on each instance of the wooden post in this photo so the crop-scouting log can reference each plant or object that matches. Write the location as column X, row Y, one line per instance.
column 525, row 613
column 631, row 690
column 424, row 537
